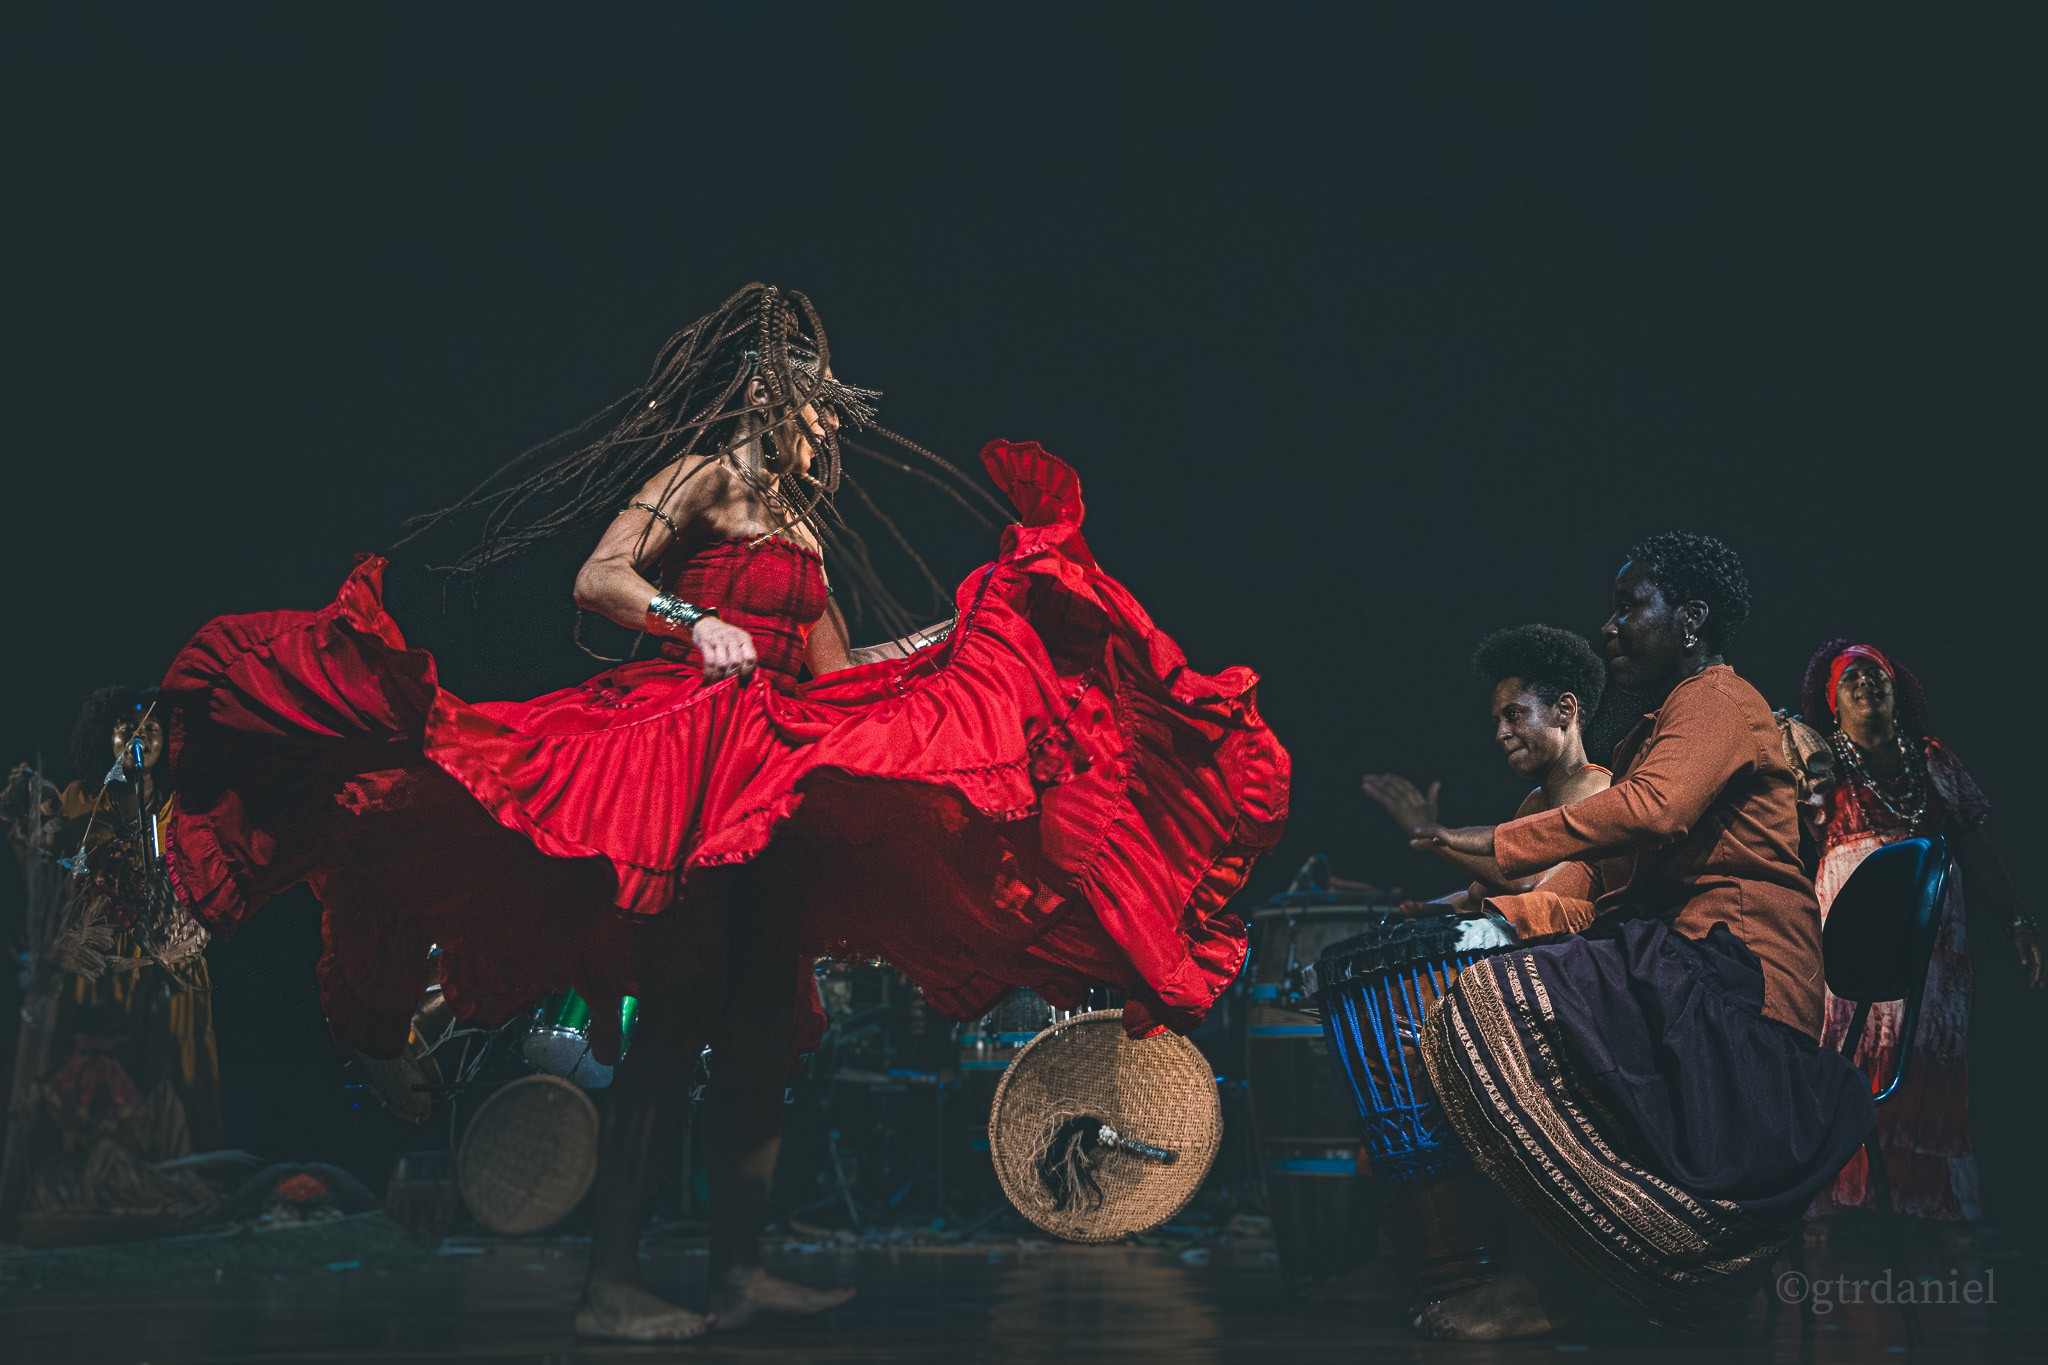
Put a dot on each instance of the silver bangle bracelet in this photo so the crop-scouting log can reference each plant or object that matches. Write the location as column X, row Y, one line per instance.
column 678, row 616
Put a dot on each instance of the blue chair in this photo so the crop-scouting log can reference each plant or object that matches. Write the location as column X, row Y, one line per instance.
column 1878, row 943
column 1877, row 946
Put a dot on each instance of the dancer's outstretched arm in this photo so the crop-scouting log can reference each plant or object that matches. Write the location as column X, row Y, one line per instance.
column 830, row 652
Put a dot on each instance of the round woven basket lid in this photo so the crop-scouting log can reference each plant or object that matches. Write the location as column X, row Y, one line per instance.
column 1159, row 1091
column 529, row 1155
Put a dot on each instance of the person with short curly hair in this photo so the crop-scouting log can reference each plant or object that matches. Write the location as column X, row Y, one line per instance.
column 1892, row 780
column 1645, row 1083
column 1545, row 682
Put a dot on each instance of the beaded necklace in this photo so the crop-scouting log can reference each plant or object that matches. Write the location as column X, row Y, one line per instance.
column 1911, row 807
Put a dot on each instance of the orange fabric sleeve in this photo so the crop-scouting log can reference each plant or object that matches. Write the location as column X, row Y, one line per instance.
column 1563, row 904
column 1700, row 742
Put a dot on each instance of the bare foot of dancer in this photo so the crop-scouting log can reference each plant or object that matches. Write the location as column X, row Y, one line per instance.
column 1499, row 1310
column 738, row 1295
column 626, row 1312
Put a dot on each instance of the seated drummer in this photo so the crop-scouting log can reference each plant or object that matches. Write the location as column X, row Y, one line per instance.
column 1545, row 681
column 1649, row 1089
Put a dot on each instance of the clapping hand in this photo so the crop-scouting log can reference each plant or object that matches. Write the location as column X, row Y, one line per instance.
column 1411, row 809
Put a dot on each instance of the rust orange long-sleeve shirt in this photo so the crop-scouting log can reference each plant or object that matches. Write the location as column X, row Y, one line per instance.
column 1701, row 827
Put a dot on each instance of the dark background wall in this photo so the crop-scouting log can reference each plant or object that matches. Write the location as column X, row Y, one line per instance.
column 1369, row 329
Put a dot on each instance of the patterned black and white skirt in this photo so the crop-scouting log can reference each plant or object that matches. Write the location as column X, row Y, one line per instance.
column 1625, row 1090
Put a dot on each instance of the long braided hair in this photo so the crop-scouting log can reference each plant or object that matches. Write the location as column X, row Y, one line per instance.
column 695, row 402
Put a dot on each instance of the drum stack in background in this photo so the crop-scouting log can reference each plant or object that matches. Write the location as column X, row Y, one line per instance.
column 1325, row 1212
column 891, row 1123
column 524, row 1129
column 868, row 1131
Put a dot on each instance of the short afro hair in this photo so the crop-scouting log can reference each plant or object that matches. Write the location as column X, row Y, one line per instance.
column 1549, row 661
column 91, row 754
column 1694, row 568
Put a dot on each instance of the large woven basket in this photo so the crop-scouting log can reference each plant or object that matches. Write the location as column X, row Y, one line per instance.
column 1158, row 1090
column 529, row 1155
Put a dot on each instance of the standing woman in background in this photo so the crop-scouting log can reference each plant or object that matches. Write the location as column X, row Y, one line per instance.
column 1893, row 780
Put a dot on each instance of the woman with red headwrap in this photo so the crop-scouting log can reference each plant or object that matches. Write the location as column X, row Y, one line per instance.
column 1892, row 780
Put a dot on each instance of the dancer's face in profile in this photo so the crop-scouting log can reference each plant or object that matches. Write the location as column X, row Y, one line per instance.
column 1529, row 731
column 1864, row 698
column 1645, row 636
column 811, row 424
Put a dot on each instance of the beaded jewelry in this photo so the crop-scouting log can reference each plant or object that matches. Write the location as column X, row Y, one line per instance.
column 659, row 515
column 1911, row 807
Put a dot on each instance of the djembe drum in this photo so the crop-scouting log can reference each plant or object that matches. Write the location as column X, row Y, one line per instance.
column 1374, row 990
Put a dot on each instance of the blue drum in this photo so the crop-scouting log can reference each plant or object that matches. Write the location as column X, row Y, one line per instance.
column 1374, row 991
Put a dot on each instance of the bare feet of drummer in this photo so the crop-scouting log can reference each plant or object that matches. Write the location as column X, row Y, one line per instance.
column 740, row 1294
column 1499, row 1310
column 626, row 1312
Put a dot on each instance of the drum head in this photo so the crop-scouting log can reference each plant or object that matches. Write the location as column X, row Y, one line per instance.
column 1087, row 1071
column 529, row 1155
column 557, row 1051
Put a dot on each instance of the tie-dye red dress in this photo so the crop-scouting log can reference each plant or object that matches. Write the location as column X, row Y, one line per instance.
column 1924, row 1128
column 1050, row 798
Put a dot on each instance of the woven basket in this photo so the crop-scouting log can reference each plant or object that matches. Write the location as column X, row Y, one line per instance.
column 1158, row 1090
column 529, row 1155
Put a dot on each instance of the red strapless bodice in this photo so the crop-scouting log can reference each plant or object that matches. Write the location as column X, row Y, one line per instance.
column 773, row 588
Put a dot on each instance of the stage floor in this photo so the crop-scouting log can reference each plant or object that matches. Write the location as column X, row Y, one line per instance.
column 1002, row 1302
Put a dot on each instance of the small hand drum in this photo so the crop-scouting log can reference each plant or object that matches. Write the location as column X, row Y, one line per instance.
column 1096, row 1134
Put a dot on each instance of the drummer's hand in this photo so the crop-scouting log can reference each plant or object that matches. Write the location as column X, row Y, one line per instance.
column 1400, row 798
column 1466, row 904
column 1474, row 841
column 727, row 650
column 2031, row 959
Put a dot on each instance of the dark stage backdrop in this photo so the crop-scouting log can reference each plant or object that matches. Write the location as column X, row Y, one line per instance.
column 1369, row 329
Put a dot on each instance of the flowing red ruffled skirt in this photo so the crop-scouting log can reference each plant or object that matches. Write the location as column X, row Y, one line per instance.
column 1051, row 798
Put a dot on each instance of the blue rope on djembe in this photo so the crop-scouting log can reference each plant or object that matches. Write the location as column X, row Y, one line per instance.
column 1374, row 990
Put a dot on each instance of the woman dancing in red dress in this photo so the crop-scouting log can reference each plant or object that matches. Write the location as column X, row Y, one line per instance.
column 1039, row 794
